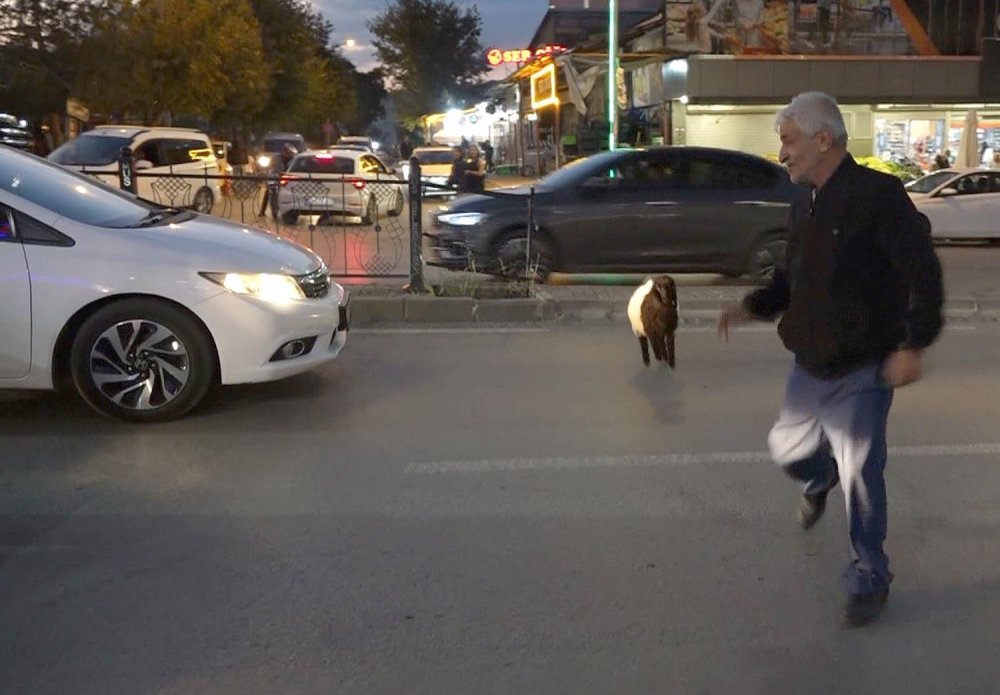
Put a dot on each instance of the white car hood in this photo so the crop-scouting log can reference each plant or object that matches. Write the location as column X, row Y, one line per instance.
column 227, row 246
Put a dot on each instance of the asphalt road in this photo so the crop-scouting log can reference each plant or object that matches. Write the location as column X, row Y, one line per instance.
column 493, row 511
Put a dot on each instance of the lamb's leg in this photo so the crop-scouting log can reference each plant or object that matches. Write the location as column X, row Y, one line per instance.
column 671, row 354
column 657, row 341
column 644, row 344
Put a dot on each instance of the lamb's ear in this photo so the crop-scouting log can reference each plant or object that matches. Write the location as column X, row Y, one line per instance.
column 664, row 293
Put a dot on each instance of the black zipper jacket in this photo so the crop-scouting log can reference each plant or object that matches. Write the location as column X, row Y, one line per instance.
column 860, row 278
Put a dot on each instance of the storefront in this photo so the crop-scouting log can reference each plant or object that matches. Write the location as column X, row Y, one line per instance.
column 904, row 132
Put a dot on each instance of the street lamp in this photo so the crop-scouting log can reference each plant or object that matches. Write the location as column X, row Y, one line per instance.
column 612, row 71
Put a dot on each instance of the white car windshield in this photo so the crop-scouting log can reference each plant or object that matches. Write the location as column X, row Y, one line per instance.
column 322, row 164
column 69, row 194
column 92, row 150
column 926, row 184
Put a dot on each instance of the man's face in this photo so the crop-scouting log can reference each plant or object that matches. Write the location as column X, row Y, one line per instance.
column 800, row 153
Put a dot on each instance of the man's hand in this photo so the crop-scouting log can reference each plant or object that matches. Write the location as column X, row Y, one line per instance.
column 902, row 367
column 732, row 315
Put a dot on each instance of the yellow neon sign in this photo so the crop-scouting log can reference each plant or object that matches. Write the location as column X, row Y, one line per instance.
column 543, row 87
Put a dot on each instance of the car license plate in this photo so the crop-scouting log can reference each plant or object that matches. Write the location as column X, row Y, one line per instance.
column 324, row 202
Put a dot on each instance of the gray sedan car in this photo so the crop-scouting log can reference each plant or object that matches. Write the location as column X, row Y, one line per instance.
column 666, row 209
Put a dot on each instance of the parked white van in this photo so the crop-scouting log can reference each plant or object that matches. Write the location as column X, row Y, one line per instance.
column 159, row 152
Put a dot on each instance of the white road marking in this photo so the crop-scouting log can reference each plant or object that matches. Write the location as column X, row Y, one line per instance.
column 583, row 462
column 445, row 330
column 454, row 329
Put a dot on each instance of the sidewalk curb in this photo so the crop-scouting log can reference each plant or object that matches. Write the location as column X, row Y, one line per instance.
column 366, row 311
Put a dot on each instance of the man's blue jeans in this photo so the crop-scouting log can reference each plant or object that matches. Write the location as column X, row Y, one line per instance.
column 834, row 430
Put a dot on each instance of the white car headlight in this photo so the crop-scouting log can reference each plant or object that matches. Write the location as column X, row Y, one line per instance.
column 270, row 287
column 263, row 161
column 462, row 219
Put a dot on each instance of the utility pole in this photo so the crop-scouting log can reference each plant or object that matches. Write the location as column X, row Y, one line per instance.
column 612, row 73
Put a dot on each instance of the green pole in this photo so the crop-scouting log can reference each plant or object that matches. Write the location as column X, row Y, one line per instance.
column 612, row 71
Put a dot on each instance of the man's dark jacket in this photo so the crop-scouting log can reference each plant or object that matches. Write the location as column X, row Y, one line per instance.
column 860, row 279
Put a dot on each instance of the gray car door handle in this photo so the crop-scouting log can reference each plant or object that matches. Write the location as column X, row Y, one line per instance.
column 661, row 203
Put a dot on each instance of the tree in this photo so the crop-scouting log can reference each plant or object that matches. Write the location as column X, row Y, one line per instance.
column 431, row 52
column 157, row 58
column 39, row 40
column 310, row 80
column 370, row 91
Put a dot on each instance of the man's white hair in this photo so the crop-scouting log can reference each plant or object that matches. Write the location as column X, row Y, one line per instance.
column 813, row 112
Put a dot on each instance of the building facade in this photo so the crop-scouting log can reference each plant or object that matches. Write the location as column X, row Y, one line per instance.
column 713, row 72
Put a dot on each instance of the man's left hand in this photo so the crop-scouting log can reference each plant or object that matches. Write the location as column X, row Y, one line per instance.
column 902, row 367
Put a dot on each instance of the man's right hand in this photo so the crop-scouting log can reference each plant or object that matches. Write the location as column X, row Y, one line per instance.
column 732, row 316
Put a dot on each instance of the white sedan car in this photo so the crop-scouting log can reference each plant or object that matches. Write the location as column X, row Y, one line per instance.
column 960, row 204
column 142, row 307
column 349, row 182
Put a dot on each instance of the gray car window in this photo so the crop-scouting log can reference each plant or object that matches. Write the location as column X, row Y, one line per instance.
column 717, row 173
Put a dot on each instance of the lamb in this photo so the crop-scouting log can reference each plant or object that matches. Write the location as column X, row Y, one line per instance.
column 652, row 311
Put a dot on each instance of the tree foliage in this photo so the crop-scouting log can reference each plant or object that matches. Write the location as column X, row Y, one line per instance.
column 39, row 45
column 430, row 50
column 161, row 57
column 254, row 63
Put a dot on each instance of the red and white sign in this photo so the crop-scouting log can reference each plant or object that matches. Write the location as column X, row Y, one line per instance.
column 497, row 56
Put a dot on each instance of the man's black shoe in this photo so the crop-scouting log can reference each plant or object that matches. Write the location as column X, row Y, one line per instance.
column 811, row 508
column 862, row 609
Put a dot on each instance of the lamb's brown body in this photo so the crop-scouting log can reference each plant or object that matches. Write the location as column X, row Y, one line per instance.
column 657, row 318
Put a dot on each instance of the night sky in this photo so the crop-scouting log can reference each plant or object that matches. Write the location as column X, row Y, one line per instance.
column 506, row 24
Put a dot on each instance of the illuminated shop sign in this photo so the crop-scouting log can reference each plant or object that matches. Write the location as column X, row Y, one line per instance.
column 497, row 56
column 543, row 87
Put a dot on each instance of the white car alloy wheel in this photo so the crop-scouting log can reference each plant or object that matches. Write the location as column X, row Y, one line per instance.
column 142, row 360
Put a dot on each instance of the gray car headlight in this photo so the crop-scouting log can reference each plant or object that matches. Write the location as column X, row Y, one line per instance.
column 462, row 219
column 271, row 287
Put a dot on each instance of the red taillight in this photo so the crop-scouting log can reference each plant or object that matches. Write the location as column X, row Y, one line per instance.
column 285, row 179
column 358, row 183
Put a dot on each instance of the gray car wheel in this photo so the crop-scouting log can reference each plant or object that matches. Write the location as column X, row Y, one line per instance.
column 142, row 360
column 511, row 258
column 203, row 201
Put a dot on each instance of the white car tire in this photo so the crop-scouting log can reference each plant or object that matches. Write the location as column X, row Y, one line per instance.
column 371, row 211
column 142, row 360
